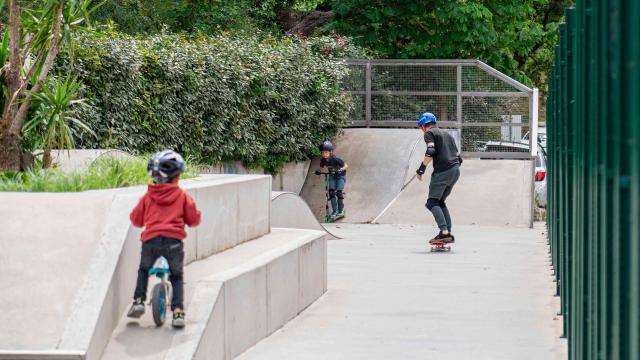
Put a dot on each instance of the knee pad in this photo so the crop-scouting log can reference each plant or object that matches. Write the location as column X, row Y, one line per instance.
column 442, row 204
column 332, row 193
column 340, row 194
column 431, row 203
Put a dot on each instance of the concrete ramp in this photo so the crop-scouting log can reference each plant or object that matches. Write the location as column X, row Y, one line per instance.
column 489, row 192
column 382, row 188
column 380, row 163
column 288, row 210
column 43, row 262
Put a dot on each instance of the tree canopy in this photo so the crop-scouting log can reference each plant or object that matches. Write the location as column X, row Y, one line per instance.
column 516, row 37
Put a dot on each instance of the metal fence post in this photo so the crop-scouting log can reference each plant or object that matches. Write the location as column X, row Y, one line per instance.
column 368, row 95
column 459, row 98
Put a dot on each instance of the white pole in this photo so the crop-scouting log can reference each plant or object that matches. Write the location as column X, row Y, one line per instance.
column 533, row 131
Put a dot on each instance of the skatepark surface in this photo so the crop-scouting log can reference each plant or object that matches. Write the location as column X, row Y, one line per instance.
column 389, row 297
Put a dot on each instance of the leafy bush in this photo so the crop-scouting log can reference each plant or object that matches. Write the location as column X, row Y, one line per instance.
column 205, row 16
column 104, row 173
column 265, row 101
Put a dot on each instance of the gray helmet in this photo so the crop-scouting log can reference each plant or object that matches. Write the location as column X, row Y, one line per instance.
column 165, row 165
column 326, row 146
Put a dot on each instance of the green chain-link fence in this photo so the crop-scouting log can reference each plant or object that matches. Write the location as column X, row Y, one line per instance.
column 593, row 129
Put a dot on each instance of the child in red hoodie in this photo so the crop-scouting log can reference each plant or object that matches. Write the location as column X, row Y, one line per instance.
column 163, row 211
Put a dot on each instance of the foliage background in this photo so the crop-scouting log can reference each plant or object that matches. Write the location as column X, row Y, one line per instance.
column 516, row 37
column 260, row 99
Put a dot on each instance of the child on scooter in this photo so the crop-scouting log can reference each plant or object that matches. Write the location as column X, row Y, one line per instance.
column 337, row 178
column 163, row 211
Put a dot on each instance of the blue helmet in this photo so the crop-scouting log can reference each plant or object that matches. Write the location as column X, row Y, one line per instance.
column 426, row 118
column 165, row 165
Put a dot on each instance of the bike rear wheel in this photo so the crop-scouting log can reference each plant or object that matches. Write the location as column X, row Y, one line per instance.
column 159, row 304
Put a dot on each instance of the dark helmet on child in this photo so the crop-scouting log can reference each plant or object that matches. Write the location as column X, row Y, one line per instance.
column 326, row 146
column 165, row 165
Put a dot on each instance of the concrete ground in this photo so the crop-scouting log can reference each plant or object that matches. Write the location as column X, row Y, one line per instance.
column 391, row 298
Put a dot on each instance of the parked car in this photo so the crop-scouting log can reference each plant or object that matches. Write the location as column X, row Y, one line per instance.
column 541, row 178
column 542, row 137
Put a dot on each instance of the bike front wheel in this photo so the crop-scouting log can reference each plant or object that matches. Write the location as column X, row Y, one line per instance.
column 159, row 304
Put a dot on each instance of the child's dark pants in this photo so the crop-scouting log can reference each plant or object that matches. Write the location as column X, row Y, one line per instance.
column 336, row 191
column 172, row 250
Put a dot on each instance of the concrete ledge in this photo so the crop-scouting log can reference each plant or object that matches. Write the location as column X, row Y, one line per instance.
column 42, row 354
column 261, row 296
column 234, row 299
column 102, row 284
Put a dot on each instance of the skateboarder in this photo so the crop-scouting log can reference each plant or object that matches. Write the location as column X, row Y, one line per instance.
column 337, row 178
column 163, row 211
column 442, row 150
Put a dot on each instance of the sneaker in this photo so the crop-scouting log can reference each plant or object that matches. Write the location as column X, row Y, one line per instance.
column 178, row 320
column 137, row 309
column 341, row 213
column 334, row 214
column 442, row 238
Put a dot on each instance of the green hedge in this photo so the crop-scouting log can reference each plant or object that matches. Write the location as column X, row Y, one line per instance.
column 264, row 101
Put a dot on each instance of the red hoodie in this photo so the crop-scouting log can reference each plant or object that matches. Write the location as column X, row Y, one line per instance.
column 163, row 211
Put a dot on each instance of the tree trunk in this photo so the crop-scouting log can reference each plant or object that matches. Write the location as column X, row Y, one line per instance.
column 19, row 99
column 11, row 154
column 46, row 157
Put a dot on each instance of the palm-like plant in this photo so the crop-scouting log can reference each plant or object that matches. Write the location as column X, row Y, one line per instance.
column 27, row 54
column 53, row 122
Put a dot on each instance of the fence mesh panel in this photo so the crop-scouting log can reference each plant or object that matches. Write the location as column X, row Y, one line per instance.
column 485, row 110
column 413, row 78
column 477, row 79
column 406, row 108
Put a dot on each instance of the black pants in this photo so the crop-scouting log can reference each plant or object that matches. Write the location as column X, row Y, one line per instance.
column 173, row 251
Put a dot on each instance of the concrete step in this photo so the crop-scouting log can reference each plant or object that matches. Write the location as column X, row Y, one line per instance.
column 233, row 299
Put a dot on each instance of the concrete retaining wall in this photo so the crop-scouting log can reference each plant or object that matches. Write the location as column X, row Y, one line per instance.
column 77, row 159
column 292, row 177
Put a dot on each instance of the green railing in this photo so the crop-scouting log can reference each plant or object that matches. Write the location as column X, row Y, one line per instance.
column 593, row 129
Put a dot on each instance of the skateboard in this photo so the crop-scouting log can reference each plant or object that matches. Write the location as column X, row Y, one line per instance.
column 440, row 246
column 336, row 218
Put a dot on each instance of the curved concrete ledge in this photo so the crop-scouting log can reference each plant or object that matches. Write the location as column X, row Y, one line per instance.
column 289, row 210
